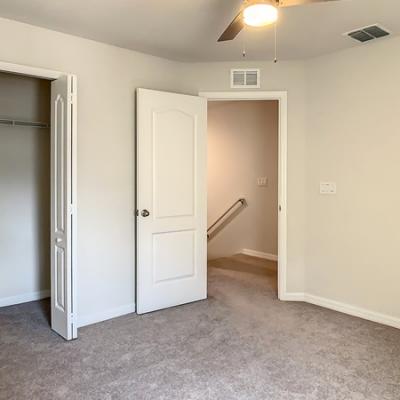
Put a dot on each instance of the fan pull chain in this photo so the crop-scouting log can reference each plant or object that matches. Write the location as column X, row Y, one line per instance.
column 244, row 44
column 276, row 51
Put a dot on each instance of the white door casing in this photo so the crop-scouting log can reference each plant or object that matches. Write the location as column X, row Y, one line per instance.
column 171, row 186
column 282, row 98
column 63, row 201
column 64, row 90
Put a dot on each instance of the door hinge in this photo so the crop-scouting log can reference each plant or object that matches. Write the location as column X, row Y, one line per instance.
column 71, row 209
column 71, row 98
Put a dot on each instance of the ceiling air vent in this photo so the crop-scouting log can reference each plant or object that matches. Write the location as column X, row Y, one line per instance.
column 368, row 33
column 245, row 78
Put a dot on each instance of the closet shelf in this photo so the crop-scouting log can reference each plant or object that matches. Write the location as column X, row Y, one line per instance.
column 14, row 122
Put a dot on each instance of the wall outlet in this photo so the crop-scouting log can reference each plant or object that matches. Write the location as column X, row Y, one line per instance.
column 327, row 187
column 262, row 181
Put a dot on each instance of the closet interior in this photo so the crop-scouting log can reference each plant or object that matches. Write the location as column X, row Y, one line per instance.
column 25, row 174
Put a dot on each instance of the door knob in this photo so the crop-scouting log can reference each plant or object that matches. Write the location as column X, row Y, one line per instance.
column 58, row 240
column 145, row 213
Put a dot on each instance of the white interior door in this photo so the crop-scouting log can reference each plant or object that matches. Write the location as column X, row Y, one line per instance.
column 171, row 200
column 62, row 202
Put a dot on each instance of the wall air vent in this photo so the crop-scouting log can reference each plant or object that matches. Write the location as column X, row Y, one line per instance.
column 245, row 78
column 368, row 33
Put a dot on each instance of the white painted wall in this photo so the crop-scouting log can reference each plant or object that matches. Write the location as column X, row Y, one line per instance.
column 242, row 146
column 353, row 139
column 25, row 190
column 107, row 79
column 342, row 126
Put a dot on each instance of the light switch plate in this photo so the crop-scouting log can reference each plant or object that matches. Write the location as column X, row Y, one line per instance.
column 327, row 187
column 262, row 181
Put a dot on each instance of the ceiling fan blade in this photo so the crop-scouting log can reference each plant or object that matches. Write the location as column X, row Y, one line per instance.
column 233, row 29
column 290, row 3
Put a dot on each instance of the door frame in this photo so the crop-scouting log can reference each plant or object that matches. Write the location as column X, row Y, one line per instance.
column 51, row 75
column 281, row 97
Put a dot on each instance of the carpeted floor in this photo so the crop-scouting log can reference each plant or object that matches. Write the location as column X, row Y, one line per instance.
column 241, row 343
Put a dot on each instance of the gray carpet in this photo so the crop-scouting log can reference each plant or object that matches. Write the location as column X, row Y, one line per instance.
column 241, row 343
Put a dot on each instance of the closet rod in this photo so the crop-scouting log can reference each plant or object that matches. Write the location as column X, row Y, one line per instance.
column 13, row 122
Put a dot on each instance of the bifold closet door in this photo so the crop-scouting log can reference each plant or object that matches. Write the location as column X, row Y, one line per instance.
column 62, row 201
column 171, row 199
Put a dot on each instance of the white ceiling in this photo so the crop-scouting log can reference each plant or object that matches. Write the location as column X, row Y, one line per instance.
column 187, row 30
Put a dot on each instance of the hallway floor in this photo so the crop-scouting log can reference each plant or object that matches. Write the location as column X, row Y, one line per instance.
column 241, row 343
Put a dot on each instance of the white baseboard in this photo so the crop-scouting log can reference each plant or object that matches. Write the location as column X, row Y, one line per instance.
column 353, row 310
column 260, row 254
column 105, row 315
column 343, row 308
column 24, row 298
column 292, row 297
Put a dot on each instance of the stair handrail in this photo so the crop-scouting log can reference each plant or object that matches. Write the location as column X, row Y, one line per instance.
column 243, row 203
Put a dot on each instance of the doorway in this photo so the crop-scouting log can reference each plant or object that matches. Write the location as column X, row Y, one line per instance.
column 38, row 179
column 171, row 182
column 281, row 100
column 243, row 186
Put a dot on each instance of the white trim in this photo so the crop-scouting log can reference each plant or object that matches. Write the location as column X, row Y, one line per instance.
column 106, row 315
column 31, row 71
column 244, row 95
column 260, row 254
column 353, row 310
column 24, row 298
column 294, row 296
column 74, row 188
column 52, row 75
column 281, row 96
column 344, row 308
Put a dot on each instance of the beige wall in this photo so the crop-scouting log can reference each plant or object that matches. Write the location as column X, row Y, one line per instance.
column 24, row 189
column 353, row 139
column 242, row 146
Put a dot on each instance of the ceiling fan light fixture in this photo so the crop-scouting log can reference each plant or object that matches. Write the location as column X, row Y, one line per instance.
column 260, row 14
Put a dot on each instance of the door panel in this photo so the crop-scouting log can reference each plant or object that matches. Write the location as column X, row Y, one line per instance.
column 173, row 256
column 60, row 278
column 174, row 133
column 62, row 207
column 171, row 180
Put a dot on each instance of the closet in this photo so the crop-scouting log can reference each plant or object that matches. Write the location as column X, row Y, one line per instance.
column 25, row 173
column 38, row 191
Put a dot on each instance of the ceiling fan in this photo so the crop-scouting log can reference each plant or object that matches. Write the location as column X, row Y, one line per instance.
column 259, row 13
